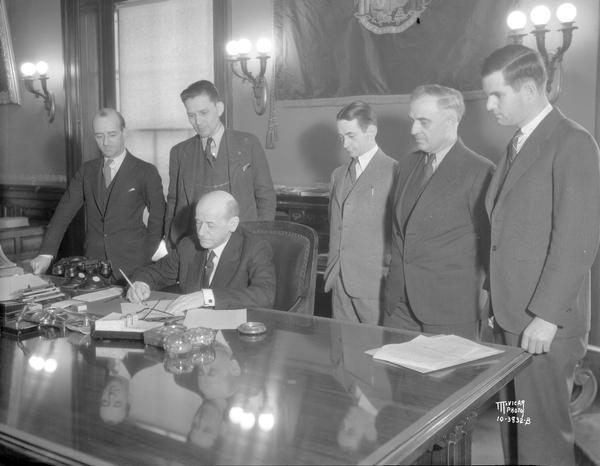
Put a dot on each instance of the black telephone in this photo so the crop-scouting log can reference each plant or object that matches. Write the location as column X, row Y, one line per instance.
column 83, row 274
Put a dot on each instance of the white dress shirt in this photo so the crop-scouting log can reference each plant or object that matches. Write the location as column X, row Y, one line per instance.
column 209, row 297
column 363, row 160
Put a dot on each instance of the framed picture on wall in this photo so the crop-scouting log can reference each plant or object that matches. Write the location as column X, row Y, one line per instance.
column 9, row 89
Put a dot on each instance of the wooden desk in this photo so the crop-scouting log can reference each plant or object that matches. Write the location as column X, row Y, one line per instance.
column 309, row 375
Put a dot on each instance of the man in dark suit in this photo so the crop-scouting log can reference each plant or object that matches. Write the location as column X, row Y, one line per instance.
column 215, row 159
column 222, row 265
column 544, row 208
column 114, row 190
column 359, row 219
column 440, row 225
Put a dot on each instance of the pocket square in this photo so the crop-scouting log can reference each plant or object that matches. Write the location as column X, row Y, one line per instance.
column 245, row 167
column 131, row 189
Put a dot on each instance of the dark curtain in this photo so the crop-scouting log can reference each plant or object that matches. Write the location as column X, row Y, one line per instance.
column 324, row 51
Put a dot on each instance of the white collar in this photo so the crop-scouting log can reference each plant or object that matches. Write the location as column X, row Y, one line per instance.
column 216, row 140
column 533, row 124
column 364, row 159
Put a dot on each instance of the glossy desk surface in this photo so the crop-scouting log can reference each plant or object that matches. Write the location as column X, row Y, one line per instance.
column 304, row 394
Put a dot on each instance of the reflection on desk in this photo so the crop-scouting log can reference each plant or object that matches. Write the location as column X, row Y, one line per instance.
column 297, row 395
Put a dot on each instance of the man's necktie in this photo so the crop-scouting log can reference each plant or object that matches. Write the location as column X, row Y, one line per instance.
column 208, row 268
column 352, row 169
column 428, row 168
column 511, row 152
column 511, row 155
column 208, row 151
column 106, row 172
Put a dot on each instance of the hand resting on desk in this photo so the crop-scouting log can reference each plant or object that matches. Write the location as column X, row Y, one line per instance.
column 185, row 302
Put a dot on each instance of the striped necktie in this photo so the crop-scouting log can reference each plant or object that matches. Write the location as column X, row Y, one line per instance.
column 511, row 152
column 208, row 151
column 428, row 168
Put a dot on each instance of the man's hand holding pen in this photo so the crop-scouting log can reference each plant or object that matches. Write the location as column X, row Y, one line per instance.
column 138, row 292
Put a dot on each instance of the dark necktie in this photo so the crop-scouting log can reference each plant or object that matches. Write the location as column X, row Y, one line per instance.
column 208, row 268
column 428, row 168
column 106, row 172
column 208, row 151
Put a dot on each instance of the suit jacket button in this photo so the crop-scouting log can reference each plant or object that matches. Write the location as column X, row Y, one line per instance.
column 494, row 247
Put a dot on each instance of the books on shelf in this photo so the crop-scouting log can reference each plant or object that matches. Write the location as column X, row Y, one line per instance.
column 427, row 354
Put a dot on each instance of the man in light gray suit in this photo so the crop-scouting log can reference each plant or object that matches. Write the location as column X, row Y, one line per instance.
column 441, row 231
column 359, row 219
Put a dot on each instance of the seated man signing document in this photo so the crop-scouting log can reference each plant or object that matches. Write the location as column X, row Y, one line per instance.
column 222, row 266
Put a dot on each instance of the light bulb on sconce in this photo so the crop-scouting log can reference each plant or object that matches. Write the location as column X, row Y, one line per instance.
column 239, row 51
column 29, row 70
column 540, row 17
column 566, row 13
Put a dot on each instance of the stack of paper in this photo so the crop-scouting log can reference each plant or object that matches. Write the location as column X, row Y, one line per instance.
column 12, row 287
column 427, row 354
column 115, row 324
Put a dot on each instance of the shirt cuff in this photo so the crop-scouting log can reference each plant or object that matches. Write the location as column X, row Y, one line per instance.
column 209, row 297
column 49, row 256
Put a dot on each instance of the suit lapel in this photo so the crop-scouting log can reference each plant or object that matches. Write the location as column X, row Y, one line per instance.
column 229, row 261
column 190, row 167
column 120, row 182
column 97, row 180
column 528, row 154
column 233, row 152
column 445, row 176
column 401, row 188
column 365, row 177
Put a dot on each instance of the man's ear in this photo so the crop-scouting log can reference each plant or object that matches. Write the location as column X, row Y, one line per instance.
column 220, row 107
column 372, row 131
column 529, row 89
column 233, row 223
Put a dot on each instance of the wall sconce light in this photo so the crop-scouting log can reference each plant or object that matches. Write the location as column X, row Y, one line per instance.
column 239, row 51
column 540, row 16
column 29, row 71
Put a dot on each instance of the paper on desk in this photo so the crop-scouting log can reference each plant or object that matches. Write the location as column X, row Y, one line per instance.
column 215, row 318
column 427, row 354
column 115, row 322
column 154, row 304
column 11, row 286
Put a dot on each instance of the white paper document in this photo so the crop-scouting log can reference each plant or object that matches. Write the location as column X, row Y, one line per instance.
column 11, row 286
column 152, row 308
column 218, row 319
column 116, row 322
column 427, row 354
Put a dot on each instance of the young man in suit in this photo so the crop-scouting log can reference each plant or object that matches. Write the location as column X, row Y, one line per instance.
column 544, row 208
column 222, row 266
column 359, row 219
column 215, row 158
column 441, row 231
column 114, row 189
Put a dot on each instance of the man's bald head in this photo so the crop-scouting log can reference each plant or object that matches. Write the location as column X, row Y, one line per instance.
column 217, row 216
